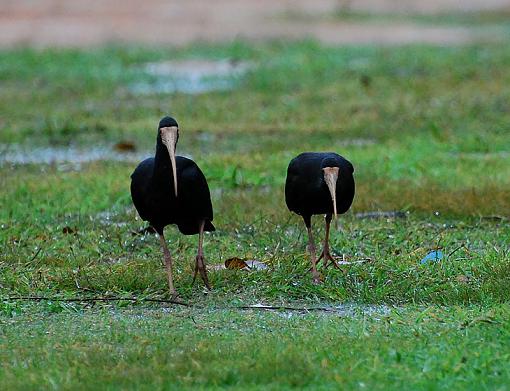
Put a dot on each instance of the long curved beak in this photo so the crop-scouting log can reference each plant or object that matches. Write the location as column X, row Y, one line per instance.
column 169, row 138
column 331, row 177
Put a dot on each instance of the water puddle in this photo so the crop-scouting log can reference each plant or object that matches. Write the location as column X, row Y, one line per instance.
column 346, row 310
column 191, row 76
column 114, row 218
column 350, row 310
column 67, row 158
column 356, row 142
column 392, row 214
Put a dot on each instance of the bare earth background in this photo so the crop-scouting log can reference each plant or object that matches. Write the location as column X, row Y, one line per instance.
column 94, row 22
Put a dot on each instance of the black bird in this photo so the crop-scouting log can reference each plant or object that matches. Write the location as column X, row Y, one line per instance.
column 319, row 183
column 168, row 189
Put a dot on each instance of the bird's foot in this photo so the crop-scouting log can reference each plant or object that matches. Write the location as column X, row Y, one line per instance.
column 174, row 296
column 200, row 268
column 328, row 259
column 176, row 299
column 317, row 278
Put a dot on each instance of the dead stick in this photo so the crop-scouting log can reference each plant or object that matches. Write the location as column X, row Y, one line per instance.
column 243, row 307
column 78, row 299
column 35, row 255
column 278, row 307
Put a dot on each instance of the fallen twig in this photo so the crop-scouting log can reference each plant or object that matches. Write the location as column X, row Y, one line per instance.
column 134, row 299
column 282, row 307
column 362, row 260
column 106, row 299
column 261, row 307
column 456, row 249
column 35, row 255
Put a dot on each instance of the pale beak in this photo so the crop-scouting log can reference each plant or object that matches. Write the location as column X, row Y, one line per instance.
column 169, row 138
column 331, row 177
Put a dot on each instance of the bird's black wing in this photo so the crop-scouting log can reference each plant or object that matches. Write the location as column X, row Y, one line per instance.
column 140, row 182
column 301, row 180
column 194, row 197
column 345, row 187
column 343, row 163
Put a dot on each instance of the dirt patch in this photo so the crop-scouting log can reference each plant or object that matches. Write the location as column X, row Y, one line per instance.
column 95, row 22
column 424, row 7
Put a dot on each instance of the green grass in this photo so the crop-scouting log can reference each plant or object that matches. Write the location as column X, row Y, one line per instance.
column 208, row 349
column 427, row 131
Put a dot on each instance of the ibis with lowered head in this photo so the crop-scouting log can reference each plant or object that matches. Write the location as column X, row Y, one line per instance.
column 319, row 183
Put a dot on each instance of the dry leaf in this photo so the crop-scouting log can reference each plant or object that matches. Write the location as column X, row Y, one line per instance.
column 235, row 263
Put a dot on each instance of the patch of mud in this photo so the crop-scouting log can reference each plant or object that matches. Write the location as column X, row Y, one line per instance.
column 74, row 23
column 423, row 7
column 191, row 76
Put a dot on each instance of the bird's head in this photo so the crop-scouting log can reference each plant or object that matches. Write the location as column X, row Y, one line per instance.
column 168, row 134
column 330, row 171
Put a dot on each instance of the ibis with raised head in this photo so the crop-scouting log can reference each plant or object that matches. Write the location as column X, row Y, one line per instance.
column 168, row 189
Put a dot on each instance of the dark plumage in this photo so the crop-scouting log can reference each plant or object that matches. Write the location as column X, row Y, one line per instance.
column 168, row 189
column 319, row 183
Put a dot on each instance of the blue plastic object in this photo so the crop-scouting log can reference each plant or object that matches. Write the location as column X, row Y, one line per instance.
column 432, row 256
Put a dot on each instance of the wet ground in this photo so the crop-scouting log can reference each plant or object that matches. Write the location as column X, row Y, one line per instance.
column 23, row 154
column 77, row 23
column 191, row 76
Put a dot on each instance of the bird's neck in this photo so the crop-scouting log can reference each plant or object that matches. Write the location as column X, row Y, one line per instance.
column 162, row 163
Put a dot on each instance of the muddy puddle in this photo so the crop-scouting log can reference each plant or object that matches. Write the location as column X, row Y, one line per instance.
column 66, row 157
column 350, row 310
column 191, row 76
column 345, row 310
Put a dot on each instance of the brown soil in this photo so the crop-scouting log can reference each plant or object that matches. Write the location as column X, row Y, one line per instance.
column 94, row 22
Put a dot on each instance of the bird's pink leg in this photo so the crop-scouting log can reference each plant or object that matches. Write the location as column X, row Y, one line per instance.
column 199, row 260
column 168, row 265
column 326, row 254
column 311, row 248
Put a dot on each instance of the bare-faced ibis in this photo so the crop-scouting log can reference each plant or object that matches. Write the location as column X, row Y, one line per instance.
column 168, row 189
column 319, row 183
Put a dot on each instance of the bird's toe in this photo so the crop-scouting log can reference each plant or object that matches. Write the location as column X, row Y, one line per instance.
column 317, row 278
